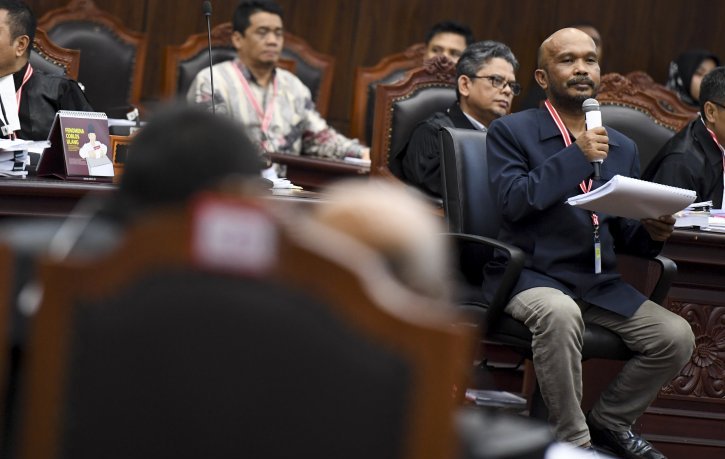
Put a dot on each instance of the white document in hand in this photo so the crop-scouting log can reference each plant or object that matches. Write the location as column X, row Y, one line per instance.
column 632, row 198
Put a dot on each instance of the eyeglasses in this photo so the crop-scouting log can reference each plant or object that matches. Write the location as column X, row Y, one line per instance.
column 499, row 82
column 717, row 103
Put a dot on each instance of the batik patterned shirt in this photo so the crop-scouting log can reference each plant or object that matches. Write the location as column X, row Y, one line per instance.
column 294, row 127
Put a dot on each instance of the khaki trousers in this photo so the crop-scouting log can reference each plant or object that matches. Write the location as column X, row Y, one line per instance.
column 662, row 341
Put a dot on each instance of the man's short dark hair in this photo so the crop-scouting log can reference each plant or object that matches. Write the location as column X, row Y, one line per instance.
column 21, row 20
column 247, row 8
column 183, row 150
column 478, row 54
column 712, row 88
column 450, row 27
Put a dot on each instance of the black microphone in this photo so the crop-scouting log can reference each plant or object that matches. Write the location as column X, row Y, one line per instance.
column 206, row 8
column 593, row 119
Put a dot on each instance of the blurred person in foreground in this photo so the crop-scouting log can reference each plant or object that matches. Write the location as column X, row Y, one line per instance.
column 410, row 239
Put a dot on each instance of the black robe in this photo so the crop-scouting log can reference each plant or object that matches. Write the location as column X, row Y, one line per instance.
column 42, row 96
column 421, row 161
column 690, row 160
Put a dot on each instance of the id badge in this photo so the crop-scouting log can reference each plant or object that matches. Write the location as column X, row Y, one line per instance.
column 597, row 257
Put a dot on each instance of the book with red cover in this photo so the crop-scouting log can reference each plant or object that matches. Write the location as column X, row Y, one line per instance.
column 79, row 148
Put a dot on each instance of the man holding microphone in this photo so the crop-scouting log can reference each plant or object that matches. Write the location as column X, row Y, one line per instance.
column 537, row 159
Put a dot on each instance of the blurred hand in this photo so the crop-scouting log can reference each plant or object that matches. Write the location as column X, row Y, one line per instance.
column 661, row 228
column 365, row 153
column 594, row 143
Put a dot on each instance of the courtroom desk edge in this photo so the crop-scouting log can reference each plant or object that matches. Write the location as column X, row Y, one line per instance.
column 691, row 245
column 331, row 164
column 33, row 186
column 39, row 197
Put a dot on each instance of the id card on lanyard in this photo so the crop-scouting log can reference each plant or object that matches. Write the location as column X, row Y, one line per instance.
column 722, row 150
column 585, row 186
column 264, row 116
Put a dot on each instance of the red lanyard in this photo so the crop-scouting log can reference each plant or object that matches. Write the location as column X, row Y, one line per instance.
column 585, row 186
column 265, row 116
column 714, row 139
column 26, row 77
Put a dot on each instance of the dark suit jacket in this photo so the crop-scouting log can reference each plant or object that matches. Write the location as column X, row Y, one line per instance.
column 533, row 174
column 690, row 160
column 422, row 158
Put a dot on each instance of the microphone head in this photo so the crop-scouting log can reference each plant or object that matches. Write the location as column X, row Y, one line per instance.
column 206, row 8
column 590, row 105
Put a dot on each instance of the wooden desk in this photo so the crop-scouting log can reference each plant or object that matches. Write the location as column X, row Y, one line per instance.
column 314, row 173
column 36, row 197
column 45, row 197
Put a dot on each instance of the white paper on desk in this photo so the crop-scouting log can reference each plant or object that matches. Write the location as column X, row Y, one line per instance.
column 10, row 103
column 14, row 144
column 37, row 146
column 632, row 198
column 281, row 184
column 358, row 161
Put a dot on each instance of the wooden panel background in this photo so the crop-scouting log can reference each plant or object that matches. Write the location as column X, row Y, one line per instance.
column 637, row 34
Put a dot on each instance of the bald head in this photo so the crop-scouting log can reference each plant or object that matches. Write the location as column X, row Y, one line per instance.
column 568, row 68
column 556, row 40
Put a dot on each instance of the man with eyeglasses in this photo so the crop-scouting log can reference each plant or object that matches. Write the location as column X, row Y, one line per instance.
column 486, row 87
column 272, row 103
column 694, row 158
column 538, row 158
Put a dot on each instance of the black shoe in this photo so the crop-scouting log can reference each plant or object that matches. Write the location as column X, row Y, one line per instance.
column 625, row 444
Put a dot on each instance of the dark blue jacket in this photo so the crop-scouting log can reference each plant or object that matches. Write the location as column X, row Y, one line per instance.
column 533, row 174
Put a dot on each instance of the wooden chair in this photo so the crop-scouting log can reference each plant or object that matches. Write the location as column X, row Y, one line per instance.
column 400, row 106
column 645, row 111
column 315, row 69
column 51, row 58
column 231, row 332
column 389, row 70
column 183, row 62
column 112, row 55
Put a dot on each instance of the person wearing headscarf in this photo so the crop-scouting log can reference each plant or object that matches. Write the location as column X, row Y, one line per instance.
column 686, row 74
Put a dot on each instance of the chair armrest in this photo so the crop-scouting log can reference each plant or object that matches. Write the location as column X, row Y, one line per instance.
column 667, row 275
column 508, row 279
column 638, row 271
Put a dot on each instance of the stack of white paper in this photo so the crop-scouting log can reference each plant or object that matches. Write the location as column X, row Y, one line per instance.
column 632, row 198
column 13, row 158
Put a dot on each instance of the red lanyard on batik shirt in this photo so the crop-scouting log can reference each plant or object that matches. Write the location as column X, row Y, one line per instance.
column 264, row 116
column 585, row 186
column 19, row 96
column 722, row 150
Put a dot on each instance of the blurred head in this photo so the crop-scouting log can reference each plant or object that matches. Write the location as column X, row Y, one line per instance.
column 686, row 73
column 568, row 68
column 183, row 150
column 17, row 30
column 449, row 39
column 258, row 32
column 486, row 80
column 712, row 101
column 396, row 222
